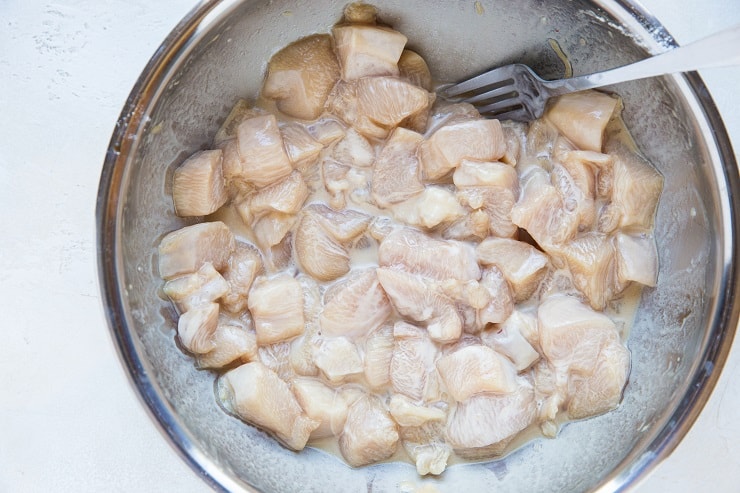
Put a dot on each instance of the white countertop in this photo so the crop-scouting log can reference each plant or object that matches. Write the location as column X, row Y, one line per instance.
column 69, row 420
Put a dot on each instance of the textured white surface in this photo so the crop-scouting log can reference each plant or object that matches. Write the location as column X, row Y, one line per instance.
column 69, row 421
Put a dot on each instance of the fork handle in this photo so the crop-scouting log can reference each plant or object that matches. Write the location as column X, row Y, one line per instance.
column 718, row 50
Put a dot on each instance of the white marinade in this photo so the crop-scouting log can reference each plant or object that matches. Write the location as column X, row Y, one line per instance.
column 385, row 275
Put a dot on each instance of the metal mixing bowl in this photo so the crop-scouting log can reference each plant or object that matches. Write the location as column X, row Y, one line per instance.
column 684, row 326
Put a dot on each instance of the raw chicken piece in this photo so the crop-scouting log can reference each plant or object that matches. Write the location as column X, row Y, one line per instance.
column 186, row 250
column 476, row 369
column 236, row 185
column 412, row 297
column 435, row 205
column 485, row 174
column 374, row 105
column 637, row 259
column 506, row 339
column 317, row 253
column 198, row 288
column 241, row 111
column 244, row 264
column 277, row 308
column 326, row 130
column 444, row 150
column 485, row 423
column 591, row 259
column 358, row 307
column 302, row 149
column 286, row 196
column 502, row 301
column 473, row 226
column 271, row 229
column 196, row 326
column 365, row 50
column 582, row 117
column 353, row 150
column 199, row 187
column 334, row 177
column 396, row 175
column 302, row 347
column 263, row 157
column 344, row 225
column 407, row 413
column 301, row 75
column 636, row 188
column 577, row 201
column 257, row 395
column 276, row 357
column 540, row 210
column 496, row 202
column 413, row 251
column 523, row 265
column 338, row 358
column 232, row 342
column 515, row 136
column 321, row 403
column 445, row 113
column 378, row 354
column 360, row 13
column 426, row 447
column 412, row 365
column 414, row 69
column 369, row 433
column 525, row 323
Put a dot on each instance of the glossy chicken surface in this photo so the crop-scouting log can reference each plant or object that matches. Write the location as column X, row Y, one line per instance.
column 377, row 266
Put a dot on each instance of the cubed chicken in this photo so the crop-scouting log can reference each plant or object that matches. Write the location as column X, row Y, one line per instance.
column 435, row 205
column 444, row 150
column 364, row 50
column 523, row 265
column 258, row 396
column 199, row 187
column 186, row 250
column 473, row 226
column 637, row 259
column 496, row 203
column 501, row 296
column 476, row 369
column 578, row 196
column 321, row 403
column 582, row 117
column 232, row 342
column 338, row 358
column 196, row 327
column 277, row 308
column 301, row 75
column 406, row 412
column 263, row 157
column 396, row 173
column 508, row 340
column 286, row 196
column 414, row 69
column 477, row 425
column 415, row 252
column 412, row 370
column 241, row 111
column 243, row 266
column 377, row 357
column 326, row 130
column 369, row 433
column 276, row 357
column 302, row 148
column 199, row 288
column 316, row 251
column 426, row 446
column 344, row 225
column 272, row 228
column 360, row 13
column 353, row 150
column 413, row 297
column 358, row 307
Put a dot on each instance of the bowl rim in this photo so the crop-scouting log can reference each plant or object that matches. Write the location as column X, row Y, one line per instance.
column 133, row 118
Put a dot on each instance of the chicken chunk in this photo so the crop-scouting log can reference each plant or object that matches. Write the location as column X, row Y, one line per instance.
column 186, row 250
column 344, row 225
column 426, row 446
column 359, row 306
column 258, row 396
column 196, row 327
column 578, row 198
column 321, row 403
column 199, row 288
column 353, row 150
column 243, row 266
column 199, row 186
column 360, row 13
column 369, row 433
column 407, row 413
column 317, row 252
column 396, row 174
column 232, row 342
column 301, row 76
column 365, row 50
column 302, row 148
column 435, row 205
column 637, row 259
column 286, row 196
column 261, row 152
column 496, row 203
column 502, row 300
column 412, row 370
column 485, row 423
column 241, row 111
column 414, row 69
column 523, row 265
column 476, row 369
column 582, row 117
column 377, row 358
column 277, row 308
column 272, row 228
column 415, row 252
column 508, row 340
column 326, row 130
column 337, row 358
column 444, row 150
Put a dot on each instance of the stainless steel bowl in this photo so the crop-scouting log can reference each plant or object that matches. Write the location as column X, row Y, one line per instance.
column 684, row 326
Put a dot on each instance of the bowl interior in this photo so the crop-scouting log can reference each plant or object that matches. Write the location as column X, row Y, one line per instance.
column 683, row 326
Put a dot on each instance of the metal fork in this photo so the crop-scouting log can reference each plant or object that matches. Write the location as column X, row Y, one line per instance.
column 515, row 92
